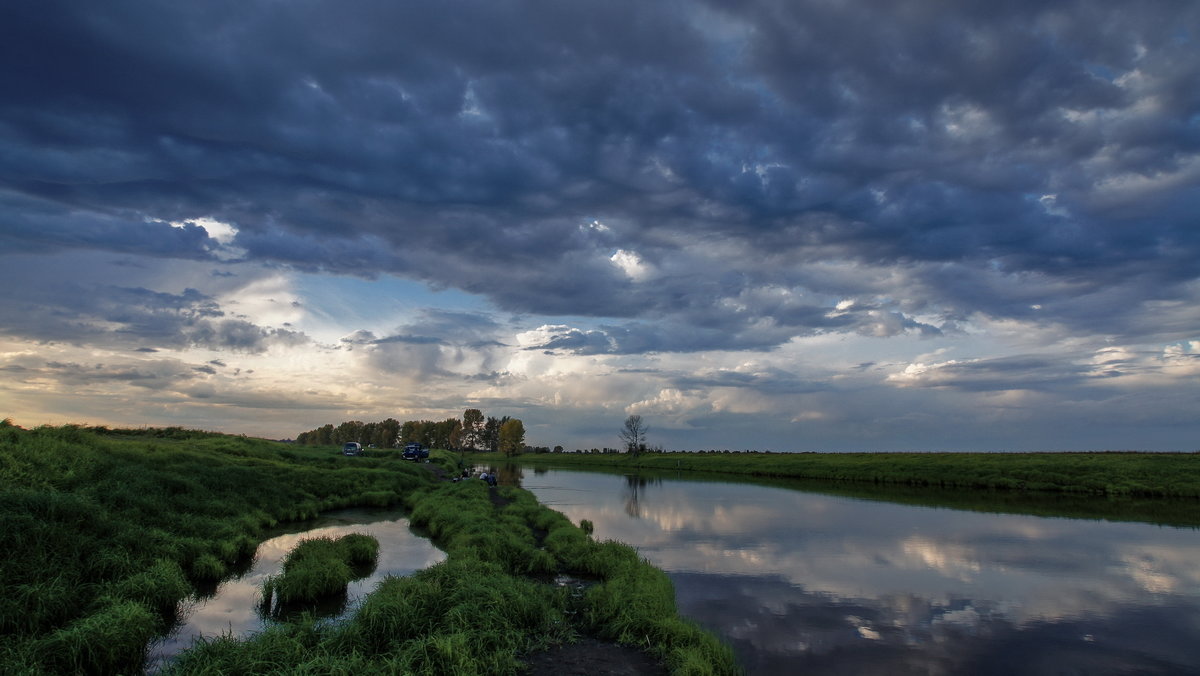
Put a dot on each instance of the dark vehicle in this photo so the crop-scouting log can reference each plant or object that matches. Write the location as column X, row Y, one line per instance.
column 415, row 452
column 352, row 448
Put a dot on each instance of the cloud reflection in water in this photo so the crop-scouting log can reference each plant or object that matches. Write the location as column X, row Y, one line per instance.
column 821, row 584
column 233, row 608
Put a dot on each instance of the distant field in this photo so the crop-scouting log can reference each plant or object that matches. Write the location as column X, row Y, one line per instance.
column 1143, row 475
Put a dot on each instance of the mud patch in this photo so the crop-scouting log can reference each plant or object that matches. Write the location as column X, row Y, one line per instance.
column 591, row 657
column 498, row 501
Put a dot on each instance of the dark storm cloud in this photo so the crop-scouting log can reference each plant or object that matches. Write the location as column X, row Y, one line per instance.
column 770, row 381
column 59, row 310
column 744, row 322
column 153, row 375
column 36, row 224
column 983, row 152
column 1014, row 373
column 576, row 340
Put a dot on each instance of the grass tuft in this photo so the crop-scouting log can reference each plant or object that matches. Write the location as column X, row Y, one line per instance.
column 319, row 568
column 111, row 640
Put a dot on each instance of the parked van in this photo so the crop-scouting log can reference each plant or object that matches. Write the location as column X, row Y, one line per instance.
column 352, row 448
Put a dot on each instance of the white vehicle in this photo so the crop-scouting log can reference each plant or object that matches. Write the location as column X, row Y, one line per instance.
column 352, row 448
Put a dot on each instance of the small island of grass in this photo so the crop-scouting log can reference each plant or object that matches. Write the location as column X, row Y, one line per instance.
column 318, row 568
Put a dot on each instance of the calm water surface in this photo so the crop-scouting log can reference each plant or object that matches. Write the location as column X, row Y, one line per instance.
column 233, row 608
column 807, row 583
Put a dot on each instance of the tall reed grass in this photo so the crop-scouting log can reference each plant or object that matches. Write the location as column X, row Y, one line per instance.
column 105, row 531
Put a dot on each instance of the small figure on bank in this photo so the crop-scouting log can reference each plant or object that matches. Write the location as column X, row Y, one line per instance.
column 491, row 479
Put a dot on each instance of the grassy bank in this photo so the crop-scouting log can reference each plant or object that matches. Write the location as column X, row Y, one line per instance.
column 1177, row 512
column 1142, row 475
column 104, row 532
column 490, row 603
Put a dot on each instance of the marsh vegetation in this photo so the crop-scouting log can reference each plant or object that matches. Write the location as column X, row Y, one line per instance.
column 319, row 568
column 106, row 531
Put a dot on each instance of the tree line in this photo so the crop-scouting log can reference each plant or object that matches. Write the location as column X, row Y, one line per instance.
column 473, row 432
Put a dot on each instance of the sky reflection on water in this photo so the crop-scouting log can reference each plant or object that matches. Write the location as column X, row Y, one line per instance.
column 234, row 606
column 824, row 584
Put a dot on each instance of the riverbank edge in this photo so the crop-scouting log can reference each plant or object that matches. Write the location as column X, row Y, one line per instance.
column 1128, row 474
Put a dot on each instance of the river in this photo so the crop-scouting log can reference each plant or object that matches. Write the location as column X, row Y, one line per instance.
column 802, row 582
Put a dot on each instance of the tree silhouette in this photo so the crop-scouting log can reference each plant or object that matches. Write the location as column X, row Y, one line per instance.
column 633, row 433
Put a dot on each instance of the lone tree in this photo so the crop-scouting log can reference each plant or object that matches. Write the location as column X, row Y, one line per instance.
column 512, row 437
column 634, row 434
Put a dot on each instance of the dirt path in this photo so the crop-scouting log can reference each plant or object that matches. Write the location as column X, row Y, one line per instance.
column 498, row 501
column 590, row 657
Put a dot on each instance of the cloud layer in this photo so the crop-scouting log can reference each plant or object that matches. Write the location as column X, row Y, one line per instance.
column 620, row 180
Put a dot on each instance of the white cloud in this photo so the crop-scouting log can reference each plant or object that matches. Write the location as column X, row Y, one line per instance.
column 222, row 233
column 670, row 404
column 632, row 265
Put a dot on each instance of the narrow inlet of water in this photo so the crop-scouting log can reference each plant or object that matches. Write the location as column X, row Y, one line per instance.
column 234, row 606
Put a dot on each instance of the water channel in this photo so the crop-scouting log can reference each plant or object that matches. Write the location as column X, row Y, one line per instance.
column 232, row 608
column 804, row 582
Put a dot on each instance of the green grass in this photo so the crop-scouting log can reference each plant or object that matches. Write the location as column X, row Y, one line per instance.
column 633, row 602
column 1143, row 475
column 318, row 568
column 458, row 617
column 488, row 605
column 105, row 531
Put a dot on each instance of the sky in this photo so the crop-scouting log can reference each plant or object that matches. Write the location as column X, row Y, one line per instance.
column 789, row 225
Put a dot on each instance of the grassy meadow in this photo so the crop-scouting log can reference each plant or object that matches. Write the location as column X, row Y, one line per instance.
column 106, row 531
